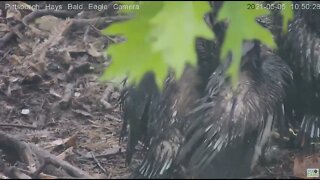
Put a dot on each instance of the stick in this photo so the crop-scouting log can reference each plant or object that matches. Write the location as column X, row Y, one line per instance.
column 98, row 163
column 111, row 152
column 29, row 18
column 18, row 125
column 74, row 171
column 32, row 155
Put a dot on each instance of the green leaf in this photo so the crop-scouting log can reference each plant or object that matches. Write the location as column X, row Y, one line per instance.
column 287, row 15
column 161, row 35
column 242, row 26
column 176, row 27
column 135, row 56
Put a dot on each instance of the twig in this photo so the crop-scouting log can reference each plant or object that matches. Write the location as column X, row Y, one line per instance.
column 15, row 173
column 5, row 55
column 109, row 116
column 42, row 175
column 110, row 152
column 43, row 165
column 44, row 12
column 101, row 21
column 18, row 125
column 74, row 171
column 6, row 38
column 32, row 155
column 98, row 163
column 24, row 152
column 30, row 17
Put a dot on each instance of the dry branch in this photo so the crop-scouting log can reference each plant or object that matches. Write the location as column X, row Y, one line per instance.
column 32, row 16
column 31, row 155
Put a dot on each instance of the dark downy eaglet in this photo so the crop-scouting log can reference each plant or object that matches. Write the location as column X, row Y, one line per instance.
column 229, row 127
column 300, row 48
column 215, row 132
column 201, row 127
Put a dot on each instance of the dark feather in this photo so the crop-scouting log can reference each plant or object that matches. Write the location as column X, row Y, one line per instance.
column 229, row 127
column 300, row 48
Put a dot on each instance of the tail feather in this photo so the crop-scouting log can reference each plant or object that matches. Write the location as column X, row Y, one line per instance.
column 309, row 133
